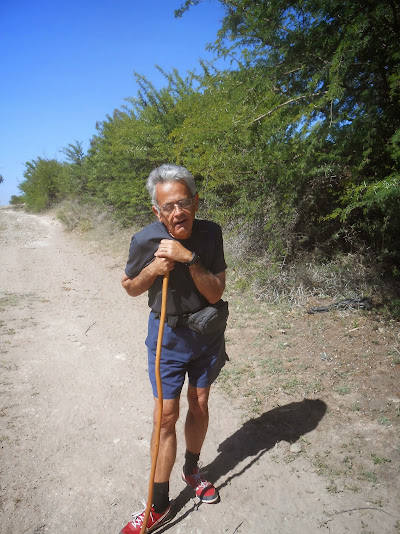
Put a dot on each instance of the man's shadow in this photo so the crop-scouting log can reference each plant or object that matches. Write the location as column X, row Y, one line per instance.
column 252, row 440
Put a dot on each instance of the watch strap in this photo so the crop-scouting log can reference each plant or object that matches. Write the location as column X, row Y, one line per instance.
column 194, row 259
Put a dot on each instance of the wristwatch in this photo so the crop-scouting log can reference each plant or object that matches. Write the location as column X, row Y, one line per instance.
column 194, row 260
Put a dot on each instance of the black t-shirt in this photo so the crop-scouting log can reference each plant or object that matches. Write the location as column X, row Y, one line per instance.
column 183, row 296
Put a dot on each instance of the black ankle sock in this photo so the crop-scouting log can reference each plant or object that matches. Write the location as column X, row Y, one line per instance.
column 191, row 461
column 160, row 496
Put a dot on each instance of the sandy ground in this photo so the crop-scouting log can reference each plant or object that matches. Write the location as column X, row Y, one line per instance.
column 76, row 412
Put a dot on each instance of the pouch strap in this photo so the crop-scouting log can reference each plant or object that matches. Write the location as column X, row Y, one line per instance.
column 173, row 320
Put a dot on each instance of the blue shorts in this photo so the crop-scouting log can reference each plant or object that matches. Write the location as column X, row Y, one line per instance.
column 184, row 351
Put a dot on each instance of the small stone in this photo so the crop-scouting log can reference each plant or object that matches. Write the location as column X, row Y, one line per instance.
column 295, row 447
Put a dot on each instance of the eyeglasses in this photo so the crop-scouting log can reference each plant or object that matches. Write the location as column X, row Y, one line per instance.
column 181, row 204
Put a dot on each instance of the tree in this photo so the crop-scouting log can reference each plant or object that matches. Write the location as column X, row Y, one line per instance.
column 337, row 64
column 16, row 200
column 75, row 175
column 41, row 186
column 74, row 153
column 131, row 142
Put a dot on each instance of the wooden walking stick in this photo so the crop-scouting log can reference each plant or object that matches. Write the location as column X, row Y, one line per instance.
column 160, row 401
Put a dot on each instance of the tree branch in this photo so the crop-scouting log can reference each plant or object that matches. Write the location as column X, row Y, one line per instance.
column 302, row 97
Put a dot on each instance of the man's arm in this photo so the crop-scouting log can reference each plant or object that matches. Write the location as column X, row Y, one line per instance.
column 210, row 285
column 145, row 279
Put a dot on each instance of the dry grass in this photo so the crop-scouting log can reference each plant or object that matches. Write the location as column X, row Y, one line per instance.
column 82, row 217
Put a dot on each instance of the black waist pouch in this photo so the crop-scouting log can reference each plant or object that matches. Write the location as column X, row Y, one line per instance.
column 209, row 319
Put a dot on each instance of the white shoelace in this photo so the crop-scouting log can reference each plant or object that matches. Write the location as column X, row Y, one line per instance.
column 203, row 484
column 137, row 519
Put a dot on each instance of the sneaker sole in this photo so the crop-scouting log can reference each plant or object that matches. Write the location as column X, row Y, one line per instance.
column 164, row 521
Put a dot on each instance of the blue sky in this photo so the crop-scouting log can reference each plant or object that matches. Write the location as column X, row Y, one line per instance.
column 66, row 65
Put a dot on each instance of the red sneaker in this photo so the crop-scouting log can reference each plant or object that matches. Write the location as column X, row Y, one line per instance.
column 155, row 521
column 204, row 490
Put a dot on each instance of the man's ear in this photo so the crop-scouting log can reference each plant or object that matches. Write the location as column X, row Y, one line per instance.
column 196, row 202
column 156, row 212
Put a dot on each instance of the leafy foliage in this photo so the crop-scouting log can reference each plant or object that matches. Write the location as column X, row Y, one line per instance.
column 16, row 200
column 338, row 64
column 74, row 183
column 42, row 185
column 298, row 143
column 132, row 142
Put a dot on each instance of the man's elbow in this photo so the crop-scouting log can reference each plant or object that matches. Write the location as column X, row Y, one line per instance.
column 127, row 285
column 216, row 297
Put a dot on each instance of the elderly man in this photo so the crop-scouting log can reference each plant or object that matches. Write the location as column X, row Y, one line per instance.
column 192, row 251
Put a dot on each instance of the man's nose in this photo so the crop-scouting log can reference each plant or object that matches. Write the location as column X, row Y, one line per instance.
column 177, row 209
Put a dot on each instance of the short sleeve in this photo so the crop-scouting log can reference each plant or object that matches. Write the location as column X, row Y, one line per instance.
column 218, row 262
column 135, row 260
column 143, row 246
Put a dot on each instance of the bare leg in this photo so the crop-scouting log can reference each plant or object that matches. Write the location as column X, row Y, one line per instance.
column 196, row 424
column 167, row 447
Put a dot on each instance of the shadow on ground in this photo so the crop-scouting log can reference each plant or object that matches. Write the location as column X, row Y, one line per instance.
column 251, row 441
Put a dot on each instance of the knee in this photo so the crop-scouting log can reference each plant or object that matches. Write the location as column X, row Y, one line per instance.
column 169, row 418
column 198, row 406
column 168, row 422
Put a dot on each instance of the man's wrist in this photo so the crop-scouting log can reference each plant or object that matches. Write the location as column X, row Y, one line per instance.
column 195, row 258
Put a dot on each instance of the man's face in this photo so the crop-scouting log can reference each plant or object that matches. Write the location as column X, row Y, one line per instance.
column 179, row 221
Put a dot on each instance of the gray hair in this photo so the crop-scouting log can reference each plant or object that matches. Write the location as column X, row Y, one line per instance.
column 169, row 173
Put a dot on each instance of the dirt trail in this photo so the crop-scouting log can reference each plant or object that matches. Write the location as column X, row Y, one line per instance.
column 76, row 413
